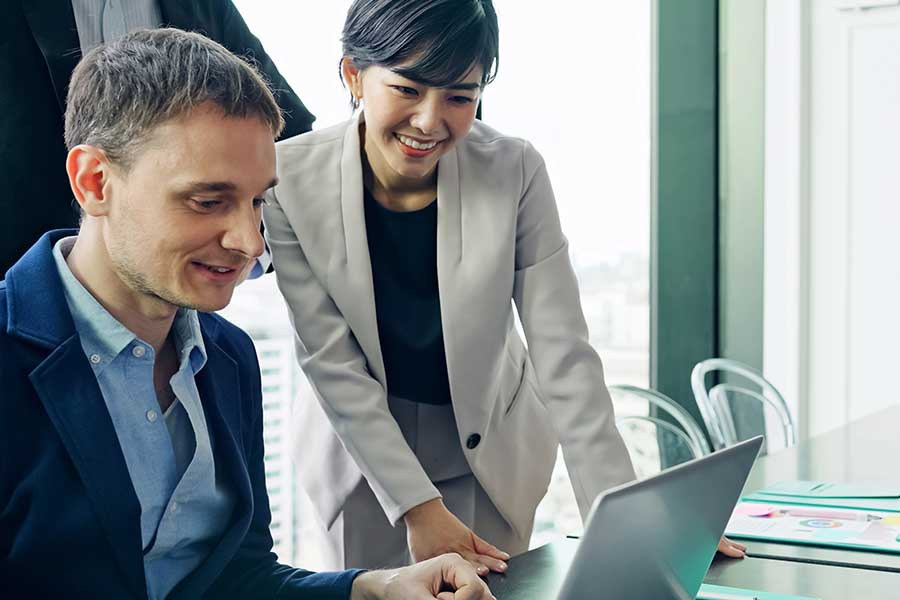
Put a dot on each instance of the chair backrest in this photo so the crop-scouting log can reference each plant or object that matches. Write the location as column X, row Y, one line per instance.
column 679, row 437
column 654, row 444
column 715, row 405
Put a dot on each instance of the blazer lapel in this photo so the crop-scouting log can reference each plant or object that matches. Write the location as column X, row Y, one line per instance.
column 53, row 26
column 71, row 396
column 219, row 385
column 449, row 199
column 452, row 281
column 359, row 308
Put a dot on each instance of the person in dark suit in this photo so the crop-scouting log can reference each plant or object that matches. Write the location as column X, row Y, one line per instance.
column 40, row 43
column 131, row 448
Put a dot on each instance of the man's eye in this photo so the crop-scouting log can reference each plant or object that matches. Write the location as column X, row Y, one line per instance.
column 461, row 100
column 207, row 204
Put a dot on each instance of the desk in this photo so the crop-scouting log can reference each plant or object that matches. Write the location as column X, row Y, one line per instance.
column 863, row 450
column 538, row 574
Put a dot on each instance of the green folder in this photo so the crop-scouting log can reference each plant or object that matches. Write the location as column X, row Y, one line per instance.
column 860, row 496
column 831, row 489
column 718, row 591
column 882, row 504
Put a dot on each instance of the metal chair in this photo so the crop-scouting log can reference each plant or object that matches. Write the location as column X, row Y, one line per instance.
column 653, row 441
column 715, row 404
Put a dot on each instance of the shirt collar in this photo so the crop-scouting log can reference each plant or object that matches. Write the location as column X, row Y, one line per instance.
column 103, row 335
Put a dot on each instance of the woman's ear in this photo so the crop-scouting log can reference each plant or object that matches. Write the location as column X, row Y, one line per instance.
column 352, row 76
column 89, row 170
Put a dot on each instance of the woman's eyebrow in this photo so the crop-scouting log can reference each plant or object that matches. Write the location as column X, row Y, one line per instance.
column 464, row 86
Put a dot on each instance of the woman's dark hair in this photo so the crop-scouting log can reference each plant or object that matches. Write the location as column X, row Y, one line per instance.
column 444, row 38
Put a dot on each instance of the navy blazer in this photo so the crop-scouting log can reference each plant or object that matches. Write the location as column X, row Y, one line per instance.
column 69, row 516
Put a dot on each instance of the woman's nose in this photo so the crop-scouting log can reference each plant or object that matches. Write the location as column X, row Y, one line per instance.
column 428, row 118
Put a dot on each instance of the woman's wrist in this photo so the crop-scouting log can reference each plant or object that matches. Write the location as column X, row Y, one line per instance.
column 423, row 512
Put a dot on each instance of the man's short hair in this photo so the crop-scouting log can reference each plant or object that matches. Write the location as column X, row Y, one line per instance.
column 121, row 91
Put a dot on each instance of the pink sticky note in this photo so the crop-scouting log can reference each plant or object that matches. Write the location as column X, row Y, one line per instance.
column 749, row 509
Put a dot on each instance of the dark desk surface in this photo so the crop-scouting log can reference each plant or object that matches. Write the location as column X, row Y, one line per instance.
column 537, row 575
column 863, row 450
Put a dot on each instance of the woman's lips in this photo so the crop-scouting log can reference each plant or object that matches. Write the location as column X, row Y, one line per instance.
column 416, row 148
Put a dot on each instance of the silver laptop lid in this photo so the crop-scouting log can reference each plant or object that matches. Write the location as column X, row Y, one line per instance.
column 656, row 538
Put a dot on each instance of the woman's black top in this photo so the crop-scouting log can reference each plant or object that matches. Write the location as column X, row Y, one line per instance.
column 403, row 251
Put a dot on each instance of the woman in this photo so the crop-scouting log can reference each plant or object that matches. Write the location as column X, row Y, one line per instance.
column 401, row 239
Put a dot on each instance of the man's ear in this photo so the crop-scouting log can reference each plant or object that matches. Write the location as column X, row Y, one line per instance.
column 89, row 172
column 351, row 74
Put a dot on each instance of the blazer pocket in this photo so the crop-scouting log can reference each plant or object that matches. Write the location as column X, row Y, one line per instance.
column 520, row 368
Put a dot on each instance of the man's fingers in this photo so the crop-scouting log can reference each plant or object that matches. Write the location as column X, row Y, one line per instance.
column 468, row 585
column 469, row 592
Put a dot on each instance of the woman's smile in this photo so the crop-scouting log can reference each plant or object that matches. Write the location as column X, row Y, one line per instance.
column 416, row 148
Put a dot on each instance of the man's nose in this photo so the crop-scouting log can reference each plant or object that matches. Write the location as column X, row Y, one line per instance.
column 243, row 234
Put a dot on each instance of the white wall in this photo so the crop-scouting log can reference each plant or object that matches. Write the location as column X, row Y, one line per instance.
column 833, row 142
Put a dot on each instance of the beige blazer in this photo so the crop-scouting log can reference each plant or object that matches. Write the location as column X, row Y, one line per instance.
column 499, row 242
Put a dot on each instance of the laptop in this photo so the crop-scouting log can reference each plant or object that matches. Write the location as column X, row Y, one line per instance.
column 656, row 538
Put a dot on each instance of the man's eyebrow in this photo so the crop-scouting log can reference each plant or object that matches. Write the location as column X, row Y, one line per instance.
column 209, row 186
column 200, row 187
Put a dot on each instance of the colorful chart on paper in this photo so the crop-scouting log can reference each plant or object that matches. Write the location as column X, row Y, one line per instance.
column 816, row 525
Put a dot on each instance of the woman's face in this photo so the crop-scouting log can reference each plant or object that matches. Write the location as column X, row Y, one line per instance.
column 409, row 126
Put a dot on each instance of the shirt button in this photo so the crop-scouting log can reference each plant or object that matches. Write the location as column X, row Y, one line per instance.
column 138, row 351
column 173, row 507
column 95, row 359
column 473, row 441
column 151, row 415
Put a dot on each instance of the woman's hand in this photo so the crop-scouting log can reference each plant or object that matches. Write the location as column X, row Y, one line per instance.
column 732, row 549
column 433, row 530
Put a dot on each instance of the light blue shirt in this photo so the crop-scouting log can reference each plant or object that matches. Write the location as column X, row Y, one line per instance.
column 100, row 21
column 184, row 506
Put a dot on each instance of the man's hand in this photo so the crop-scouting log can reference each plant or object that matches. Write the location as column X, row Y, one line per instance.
column 732, row 549
column 433, row 530
column 447, row 577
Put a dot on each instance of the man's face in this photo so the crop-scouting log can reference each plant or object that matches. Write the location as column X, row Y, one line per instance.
column 184, row 219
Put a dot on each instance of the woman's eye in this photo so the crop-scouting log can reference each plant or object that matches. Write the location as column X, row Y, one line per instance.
column 257, row 202
column 406, row 90
column 461, row 100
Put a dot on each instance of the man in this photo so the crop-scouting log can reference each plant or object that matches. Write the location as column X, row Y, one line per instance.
column 130, row 416
column 41, row 41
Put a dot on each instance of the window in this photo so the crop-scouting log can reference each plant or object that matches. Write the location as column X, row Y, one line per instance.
column 575, row 82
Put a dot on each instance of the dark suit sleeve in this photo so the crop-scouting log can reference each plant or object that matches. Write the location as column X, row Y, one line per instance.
column 234, row 35
column 254, row 571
